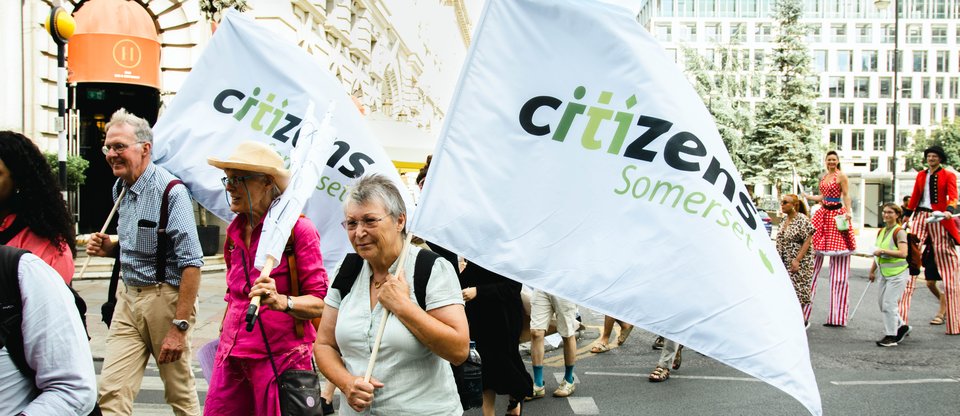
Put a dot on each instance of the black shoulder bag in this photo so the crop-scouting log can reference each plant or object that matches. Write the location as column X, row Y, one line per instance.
column 298, row 390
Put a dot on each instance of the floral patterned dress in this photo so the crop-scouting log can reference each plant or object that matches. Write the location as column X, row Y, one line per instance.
column 790, row 239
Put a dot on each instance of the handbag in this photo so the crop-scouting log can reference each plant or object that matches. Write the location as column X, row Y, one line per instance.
column 106, row 310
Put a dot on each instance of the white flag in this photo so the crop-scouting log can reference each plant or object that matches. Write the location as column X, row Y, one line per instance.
column 577, row 159
column 250, row 84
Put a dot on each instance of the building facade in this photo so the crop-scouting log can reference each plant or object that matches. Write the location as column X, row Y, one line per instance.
column 398, row 58
column 852, row 46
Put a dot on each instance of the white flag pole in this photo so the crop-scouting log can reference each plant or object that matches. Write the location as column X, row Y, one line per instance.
column 386, row 313
column 104, row 229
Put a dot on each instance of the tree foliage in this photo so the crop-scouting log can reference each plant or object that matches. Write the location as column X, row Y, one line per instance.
column 722, row 86
column 76, row 168
column 788, row 127
column 946, row 135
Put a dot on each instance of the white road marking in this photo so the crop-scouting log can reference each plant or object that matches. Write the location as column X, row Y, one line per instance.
column 583, row 406
column 644, row 375
column 894, row 382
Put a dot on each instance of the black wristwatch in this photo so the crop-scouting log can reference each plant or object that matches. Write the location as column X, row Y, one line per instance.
column 181, row 324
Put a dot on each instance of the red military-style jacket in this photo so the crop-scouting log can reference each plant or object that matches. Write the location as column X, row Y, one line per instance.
column 943, row 197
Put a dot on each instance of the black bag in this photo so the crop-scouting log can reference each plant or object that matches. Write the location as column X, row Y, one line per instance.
column 106, row 310
column 466, row 375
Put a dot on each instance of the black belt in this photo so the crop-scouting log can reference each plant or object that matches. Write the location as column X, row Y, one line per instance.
column 922, row 209
column 832, row 207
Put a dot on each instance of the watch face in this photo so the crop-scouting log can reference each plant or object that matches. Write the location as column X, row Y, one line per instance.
column 183, row 325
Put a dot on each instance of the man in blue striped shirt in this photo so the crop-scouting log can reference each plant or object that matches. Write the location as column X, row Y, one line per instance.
column 155, row 309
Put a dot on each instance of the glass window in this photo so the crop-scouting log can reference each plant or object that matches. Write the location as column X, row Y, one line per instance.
column 880, row 140
column 874, row 163
column 914, row 33
column 940, row 8
column 892, row 61
column 685, row 8
column 954, row 85
column 868, row 60
column 813, row 36
column 865, row 33
column 664, row 32
column 708, row 8
column 915, row 114
column 728, row 8
column 938, row 34
column 925, row 86
column 846, row 113
column 856, row 140
column 885, row 87
column 836, row 139
column 712, row 31
column 889, row 114
column 666, row 8
column 906, row 87
column 836, row 87
column 758, row 59
column 709, row 55
column 838, row 33
column 919, row 61
column 688, row 32
column 738, row 32
column 820, row 60
column 943, row 60
column 888, row 34
column 861, row 87
column 844, row 60
column 938, row 88
column 764, row 33
column 870, row 114
column 749, row 8
column 824, row 112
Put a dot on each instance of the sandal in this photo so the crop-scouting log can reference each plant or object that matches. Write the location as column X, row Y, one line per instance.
column 624, row 334
column 659, row 374
column 513, row 404
column 937, row 320
column 658, row 343
column 600, row 348
column 678, row 359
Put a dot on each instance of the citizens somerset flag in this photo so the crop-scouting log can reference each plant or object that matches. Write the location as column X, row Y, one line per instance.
column 251, row 84
column 577, row 159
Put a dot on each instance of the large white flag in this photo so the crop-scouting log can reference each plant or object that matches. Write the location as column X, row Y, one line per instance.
column 250, row 84
column 577, row 159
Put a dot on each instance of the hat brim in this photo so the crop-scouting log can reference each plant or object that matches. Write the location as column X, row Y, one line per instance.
column 227, row 164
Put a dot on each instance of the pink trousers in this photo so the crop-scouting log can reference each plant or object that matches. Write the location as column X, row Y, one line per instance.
column 247, row 386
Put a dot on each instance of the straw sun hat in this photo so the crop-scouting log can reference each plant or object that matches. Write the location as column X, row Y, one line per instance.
column 255, row 157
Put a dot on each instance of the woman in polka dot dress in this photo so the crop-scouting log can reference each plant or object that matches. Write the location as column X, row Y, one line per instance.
column 830, row 241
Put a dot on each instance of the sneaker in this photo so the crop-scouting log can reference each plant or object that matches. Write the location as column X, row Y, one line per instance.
column 538, row 392
column 565, row 389
column 806, row 324
column 657, row 343
column 902, row 332
column 887, row 341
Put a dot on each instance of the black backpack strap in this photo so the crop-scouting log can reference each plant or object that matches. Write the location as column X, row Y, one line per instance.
column 348, row 273
column 163, row 240
column 421, row 275
column 114, row 277
column 11, row 308
column 15, row 228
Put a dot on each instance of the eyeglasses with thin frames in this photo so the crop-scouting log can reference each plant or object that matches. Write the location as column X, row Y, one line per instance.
column 351, row 225
column 117, row 148
column 237, row 180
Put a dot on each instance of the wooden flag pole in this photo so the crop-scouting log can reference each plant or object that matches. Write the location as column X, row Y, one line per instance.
column 254, row 309
column 383, row 319
column 104, row 229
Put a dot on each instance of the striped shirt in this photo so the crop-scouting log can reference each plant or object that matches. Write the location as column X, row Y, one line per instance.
column 139, row 214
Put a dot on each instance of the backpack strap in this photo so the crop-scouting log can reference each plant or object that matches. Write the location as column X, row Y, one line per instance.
column 163, row 240
column 421, row 275
column 11, row 308
column 352, row 263
column 288, row 251
column 15, row 228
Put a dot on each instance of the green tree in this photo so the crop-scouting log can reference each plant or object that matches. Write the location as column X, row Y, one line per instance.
column 788, row 127
column 722, row 85
column 76, row 168
column 946, row 135
column 214, row 9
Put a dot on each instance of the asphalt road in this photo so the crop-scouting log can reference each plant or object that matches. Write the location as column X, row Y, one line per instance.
column 919, row 377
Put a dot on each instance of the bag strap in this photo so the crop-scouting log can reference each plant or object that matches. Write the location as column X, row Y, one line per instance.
column 15, row 228
column 114, row 277
column 163, row 240
column 263, row 332
column 294, row 279
column 348, row 273
column 11, row 309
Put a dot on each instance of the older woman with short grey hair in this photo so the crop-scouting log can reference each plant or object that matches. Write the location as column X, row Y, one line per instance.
column 411, row 375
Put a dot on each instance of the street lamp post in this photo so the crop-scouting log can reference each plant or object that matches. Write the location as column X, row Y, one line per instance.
column 882, row 5
column 60, row 25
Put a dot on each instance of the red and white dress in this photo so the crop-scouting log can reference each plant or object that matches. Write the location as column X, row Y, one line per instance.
column 828, row 240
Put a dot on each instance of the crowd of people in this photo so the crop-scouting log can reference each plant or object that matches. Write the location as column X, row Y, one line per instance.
column 434, row 304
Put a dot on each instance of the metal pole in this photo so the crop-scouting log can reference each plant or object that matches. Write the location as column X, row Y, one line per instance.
column 61, row 117
column 896, row 92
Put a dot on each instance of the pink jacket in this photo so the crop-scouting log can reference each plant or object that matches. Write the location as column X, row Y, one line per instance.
column 60, row 258
column 235, row 341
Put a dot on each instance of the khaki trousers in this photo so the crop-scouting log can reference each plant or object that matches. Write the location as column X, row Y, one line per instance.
column 141, row 320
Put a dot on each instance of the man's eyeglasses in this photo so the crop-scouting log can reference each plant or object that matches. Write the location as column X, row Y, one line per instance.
column 367, row 223
column 117, row 148
column 237, row 180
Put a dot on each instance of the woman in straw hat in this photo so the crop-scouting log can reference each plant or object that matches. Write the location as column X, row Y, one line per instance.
column 244, row 376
